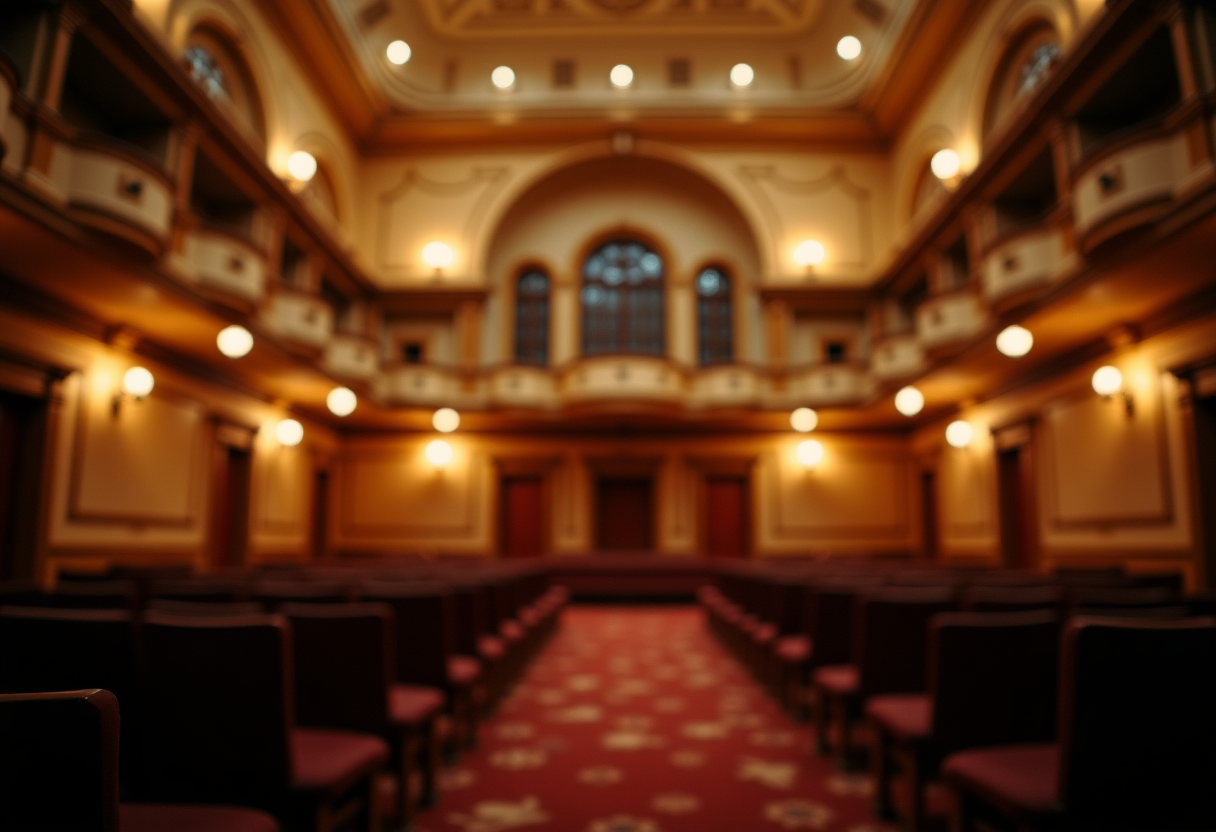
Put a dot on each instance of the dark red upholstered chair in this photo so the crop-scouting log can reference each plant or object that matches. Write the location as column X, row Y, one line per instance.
column 271, row 593
column 20, row 594
column 59, row 756
column 992, row 680
column 1115, row 597
column 890, row 632
column 426, row 647
column 345, row 677
column 977, row 598
column 204, row 607
column 43, row 649
column 95, row 595
column 220, row 726
column 200, row 589
column 987, row 577
column 1136, row 737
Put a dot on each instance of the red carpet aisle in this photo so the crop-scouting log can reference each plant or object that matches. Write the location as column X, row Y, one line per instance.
column 635, row 720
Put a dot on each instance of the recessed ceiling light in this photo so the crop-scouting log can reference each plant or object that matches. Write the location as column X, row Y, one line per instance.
column 848, row 47
column 945, row 164
column 503, row 77
column 741, row 75
column 909, row 401
column 341, row 401
column 1014, row 341
column 398, row 52
column 621, row 76
column 234, row 341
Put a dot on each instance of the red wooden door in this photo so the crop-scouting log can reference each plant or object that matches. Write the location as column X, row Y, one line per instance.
column 522, row 517
column 624, row 515
column 726, row 516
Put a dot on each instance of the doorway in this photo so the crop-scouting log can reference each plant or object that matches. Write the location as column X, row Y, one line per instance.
column 1015, row 485
column 230, row 526
column 523, row 516
column 726, row 520
column 22, row 427
column 624, row 514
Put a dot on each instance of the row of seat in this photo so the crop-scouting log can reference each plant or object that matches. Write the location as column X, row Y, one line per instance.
column 292, row 710
column 876, row 653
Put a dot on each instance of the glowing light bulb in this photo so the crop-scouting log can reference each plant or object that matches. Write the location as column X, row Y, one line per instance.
column 137, row 382
column 289, row 432
column 809, row 453
column 438, row 255
column 945, row 164
column 341, row 401
column 804, row 420
column 909, row 401
column 234, row 341
column 848, row 47
column 439, row 453
column 302, row 166
column 1107, row 380
column 445, row 420
column 398, row 52
column 503, row 77
column 809, row 253
column 742, row 75
column 959, row 434
column 1014, row 341
column 621, row 76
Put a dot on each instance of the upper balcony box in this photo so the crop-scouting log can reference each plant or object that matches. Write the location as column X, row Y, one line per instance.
column 523, row 386
column 304, row 319
column 423, row 385
column 622, row 377
column 112, row 189
column 225, row 263
column 350, row 356
column 897, row 356
column 726, row 386
column 1128, row 184
column 949, row 318
column 1033, row 258
column 830, row 384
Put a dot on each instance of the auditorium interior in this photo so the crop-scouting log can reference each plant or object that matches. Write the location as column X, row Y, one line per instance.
column 607, row 415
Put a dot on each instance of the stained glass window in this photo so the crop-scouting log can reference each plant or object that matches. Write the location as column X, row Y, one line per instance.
column 715, row 327
column 532, row 318
column 206, row 72
column 1037, row 66
column 623, row 300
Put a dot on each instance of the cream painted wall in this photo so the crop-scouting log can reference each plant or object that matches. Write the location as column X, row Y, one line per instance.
column 135, row 486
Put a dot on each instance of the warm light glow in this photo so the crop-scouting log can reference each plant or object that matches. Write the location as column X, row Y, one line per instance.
column 437, row 255
column 848, row 47
column 289, row 432
column 621, row 76
column 445, row 420
column 503, row 77
column 945, row 164
column 809, row 253
column 302, row 166
column 234, row 341
column 1107, row 380
column 909, row 401
column 137, row 382
column 741, row 75
column 1014, row 341
column 398, row 52
column 809, row 453
column 341, row 401
column 959, row 434
column 439, row 453
column 804, row 420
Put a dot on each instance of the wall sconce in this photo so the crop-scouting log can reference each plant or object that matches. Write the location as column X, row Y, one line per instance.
column 137, row 383
column 438, row 453
column 503, row 78
column 438, row 255
column 445, row 420
column 959, row 434
column 289, row 432
column 301, row 168
column 341, row 401
column 809, row 453
column 804, row 420
column 742, row 75
column 1014, row 341
column 809, row 253
column 1107, row 382
column 234, row 341
column 621, row 76
column 909, row 401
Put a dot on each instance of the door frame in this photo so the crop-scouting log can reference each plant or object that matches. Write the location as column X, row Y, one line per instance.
column 1019, row 438
column 651, row 532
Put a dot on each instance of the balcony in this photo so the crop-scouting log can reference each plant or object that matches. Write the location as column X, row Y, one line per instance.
column 114, row 190
column 421, row 385
column 225, row 266
column 303, row 319
column 522, row 386
column 726, row 386
column 350, row 356
column 897, row 356
column 949, row 318
column 830, row 384
column 625, row 377
column 1025, row 261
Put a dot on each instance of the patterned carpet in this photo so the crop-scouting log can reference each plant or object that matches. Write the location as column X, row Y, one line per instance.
column 636, row 720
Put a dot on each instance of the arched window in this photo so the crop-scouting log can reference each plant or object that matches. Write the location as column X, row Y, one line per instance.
column 532, row 318
column 1024, row 67
column 218, row 67
column 623, row 300
column 715, row 325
